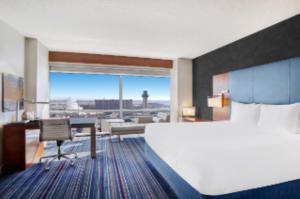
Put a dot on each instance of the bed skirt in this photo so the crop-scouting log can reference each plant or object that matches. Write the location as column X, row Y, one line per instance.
column 287, row 190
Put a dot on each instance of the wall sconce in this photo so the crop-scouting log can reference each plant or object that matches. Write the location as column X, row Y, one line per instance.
column 189, row 111
column 218, row 101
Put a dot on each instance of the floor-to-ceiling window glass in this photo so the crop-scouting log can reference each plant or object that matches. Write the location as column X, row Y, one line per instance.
column 84, row 95
column 145, row 95
column 108, row 96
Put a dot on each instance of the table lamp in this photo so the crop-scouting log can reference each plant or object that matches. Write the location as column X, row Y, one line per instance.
column 189, row 111
column 218, row 101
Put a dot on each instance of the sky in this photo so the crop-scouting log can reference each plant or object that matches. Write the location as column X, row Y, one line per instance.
column 99, row 86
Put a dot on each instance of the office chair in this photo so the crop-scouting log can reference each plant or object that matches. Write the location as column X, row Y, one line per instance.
column 57, row 130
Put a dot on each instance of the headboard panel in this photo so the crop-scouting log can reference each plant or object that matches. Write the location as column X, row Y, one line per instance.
column 273, row 83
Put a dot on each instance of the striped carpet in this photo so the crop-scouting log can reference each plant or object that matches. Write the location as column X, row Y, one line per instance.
column 119, row 171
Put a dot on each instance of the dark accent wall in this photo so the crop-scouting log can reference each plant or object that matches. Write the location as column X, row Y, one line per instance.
column 280, row 41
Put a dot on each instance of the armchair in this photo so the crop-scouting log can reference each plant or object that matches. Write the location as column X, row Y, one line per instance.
column 143, row 120
column 162, row 117
column 58, row 130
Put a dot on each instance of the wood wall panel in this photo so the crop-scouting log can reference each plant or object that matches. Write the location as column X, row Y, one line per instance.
column 86, row 58
column 220, row 83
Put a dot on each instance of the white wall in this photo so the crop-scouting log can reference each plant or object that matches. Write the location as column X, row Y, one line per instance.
column 181, row 87
column 43, row 81
column 36, row 74
column 37, row 77
column 11, row 61
column 30, row 72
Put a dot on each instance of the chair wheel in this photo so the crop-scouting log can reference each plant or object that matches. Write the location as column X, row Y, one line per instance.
column 46, row 168
column 72, row 163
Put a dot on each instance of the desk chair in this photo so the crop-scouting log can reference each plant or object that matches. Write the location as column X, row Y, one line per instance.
column 57, row 130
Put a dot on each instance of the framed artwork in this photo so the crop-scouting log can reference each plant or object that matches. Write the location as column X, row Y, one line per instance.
column 12, row 92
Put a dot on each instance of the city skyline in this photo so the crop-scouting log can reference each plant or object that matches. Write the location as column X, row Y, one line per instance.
column 103, row 86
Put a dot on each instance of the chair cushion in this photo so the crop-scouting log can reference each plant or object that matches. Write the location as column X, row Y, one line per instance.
column 163, row 116
column 157, row 119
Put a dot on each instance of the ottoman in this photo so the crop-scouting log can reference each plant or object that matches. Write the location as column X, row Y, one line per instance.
column 126, row 128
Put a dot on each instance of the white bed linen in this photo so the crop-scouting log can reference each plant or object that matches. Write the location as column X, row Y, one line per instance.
column 223, row 157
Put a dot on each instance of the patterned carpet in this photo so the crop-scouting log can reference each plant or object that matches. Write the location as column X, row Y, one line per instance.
column 119, row 171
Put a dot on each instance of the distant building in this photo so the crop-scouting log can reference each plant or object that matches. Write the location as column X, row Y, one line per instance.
column 87, row 104
column 145, row 99
column 72, row 104
column 65, row 104
column 58, row 104
column 113, row 104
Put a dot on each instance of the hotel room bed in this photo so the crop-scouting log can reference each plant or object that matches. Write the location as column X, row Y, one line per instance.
column 225, row 160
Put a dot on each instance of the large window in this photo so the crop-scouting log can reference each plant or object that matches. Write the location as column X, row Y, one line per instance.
column 74, row 95
column 148, row 94
column 108, row 96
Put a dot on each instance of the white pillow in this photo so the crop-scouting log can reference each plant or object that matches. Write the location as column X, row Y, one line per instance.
column 244, row 113
column 283, row 118
column 298, row 125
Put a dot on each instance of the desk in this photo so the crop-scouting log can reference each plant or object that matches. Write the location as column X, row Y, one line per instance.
column 17, row 153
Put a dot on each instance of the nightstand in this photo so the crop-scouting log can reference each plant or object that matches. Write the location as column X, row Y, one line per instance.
column 194, row 119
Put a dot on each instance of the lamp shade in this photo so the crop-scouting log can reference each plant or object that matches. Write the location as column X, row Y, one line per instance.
column 215, row 101
column 189, row 111
column 218, row 101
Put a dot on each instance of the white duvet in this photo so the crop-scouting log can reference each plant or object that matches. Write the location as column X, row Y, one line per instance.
column 223, row 157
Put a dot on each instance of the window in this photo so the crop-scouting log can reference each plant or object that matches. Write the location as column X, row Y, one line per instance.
column 149, row 95
column 99, row 95
column 74, row 95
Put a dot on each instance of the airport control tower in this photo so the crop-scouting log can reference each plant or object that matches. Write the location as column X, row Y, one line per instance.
column 145, row 98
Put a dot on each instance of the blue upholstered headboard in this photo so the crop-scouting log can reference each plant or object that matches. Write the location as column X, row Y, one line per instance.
column 273, row 83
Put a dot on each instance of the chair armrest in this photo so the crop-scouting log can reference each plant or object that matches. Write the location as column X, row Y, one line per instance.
column 143, row 120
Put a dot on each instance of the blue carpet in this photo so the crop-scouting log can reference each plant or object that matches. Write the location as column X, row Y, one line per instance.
column 120, row 170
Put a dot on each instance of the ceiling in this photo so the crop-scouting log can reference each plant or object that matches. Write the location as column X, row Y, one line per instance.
column 146, row 28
